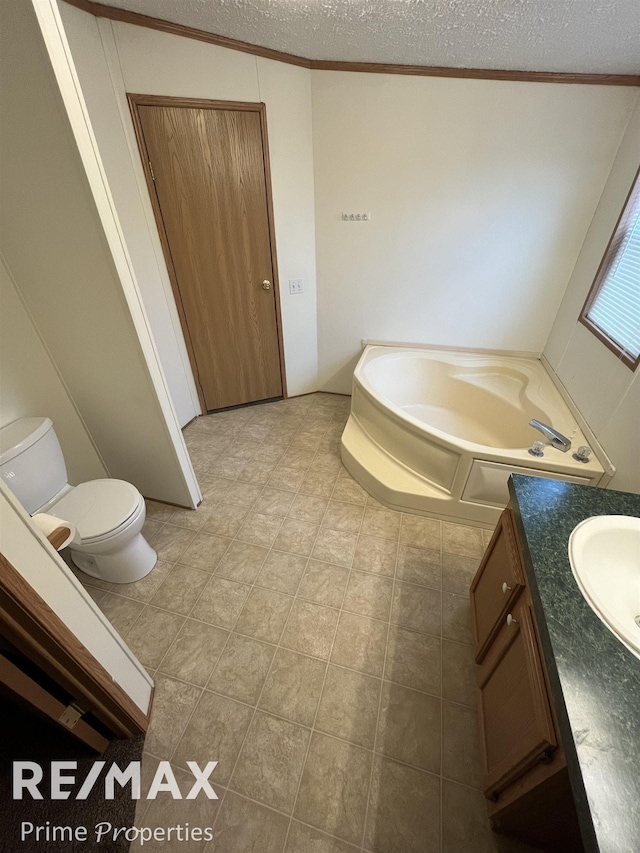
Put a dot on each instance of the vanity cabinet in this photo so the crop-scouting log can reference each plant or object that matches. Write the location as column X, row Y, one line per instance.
column 525, row 778
column 497, row 584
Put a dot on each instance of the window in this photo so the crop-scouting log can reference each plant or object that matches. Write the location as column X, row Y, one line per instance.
column 612, row 309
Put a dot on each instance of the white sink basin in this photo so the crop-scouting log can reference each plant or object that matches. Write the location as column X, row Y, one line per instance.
column 604, row 552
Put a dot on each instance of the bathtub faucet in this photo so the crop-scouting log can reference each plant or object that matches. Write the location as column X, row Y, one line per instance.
column 555, row 438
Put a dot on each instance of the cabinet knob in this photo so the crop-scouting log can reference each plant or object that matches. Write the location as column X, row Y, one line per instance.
column 511, row 620
column 505, row 587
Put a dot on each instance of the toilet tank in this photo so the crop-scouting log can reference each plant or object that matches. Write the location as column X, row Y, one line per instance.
column 31, row 461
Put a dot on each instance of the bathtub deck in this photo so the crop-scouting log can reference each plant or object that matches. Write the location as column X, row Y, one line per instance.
column 439, row 433
column 396, row 486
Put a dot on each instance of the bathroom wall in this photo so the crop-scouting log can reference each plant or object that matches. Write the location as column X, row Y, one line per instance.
column 31, row 385
column 136, row 216
column 605, row 390
column 114, row 58
column 64, row 264
column 44, row 570
column 480, row 194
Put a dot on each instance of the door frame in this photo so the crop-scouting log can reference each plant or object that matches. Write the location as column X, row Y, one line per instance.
column 27, row 621
column 135, row 101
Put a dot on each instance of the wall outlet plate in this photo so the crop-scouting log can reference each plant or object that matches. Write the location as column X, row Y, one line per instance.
column 295, row 285
column 356, row 217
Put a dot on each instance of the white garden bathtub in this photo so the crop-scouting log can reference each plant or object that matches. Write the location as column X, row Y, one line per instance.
column 440, row 432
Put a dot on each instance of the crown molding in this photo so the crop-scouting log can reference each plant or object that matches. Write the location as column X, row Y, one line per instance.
column 100, row 10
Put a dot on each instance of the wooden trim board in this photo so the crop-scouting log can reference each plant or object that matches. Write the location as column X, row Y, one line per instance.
column 100, row 10
column 28, row 622
column 478, row 73
column 272, row 241
column 37, row 697
column 134, row 102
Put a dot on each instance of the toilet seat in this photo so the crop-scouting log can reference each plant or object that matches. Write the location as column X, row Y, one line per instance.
column 99, row 508
column 116, row 534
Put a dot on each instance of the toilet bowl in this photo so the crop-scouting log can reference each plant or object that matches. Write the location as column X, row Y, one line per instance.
column 108, row 514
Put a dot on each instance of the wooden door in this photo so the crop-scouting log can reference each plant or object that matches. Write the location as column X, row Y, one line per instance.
column 208, row 165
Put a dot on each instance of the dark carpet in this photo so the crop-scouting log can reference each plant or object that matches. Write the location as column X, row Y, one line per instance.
column 27, row 737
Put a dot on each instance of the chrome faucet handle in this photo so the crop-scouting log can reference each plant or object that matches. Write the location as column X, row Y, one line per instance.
column 556, row 439
column 582, row 454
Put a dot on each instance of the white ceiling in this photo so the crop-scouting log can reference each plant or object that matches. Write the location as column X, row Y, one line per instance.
column 592, row 36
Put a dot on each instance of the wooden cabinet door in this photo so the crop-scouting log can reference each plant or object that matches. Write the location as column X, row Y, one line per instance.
column 497, row 584
column 516, row 719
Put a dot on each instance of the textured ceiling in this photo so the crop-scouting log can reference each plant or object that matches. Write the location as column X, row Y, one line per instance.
column 591, row 36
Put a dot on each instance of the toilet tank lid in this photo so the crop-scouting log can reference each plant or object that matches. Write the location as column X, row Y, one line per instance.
column 17, row 436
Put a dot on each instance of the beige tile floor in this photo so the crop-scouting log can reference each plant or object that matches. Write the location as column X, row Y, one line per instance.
column 314, row 643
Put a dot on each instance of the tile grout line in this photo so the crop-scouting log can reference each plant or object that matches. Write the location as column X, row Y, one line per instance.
column 189, row 615
column 230, row 631
column 197, row 702
column 321, row 660
column 342, row 740
column 255, row 709
column 210, row 575
column 172, row 565
column 384, row 669
column 213, row 573
column 329, row 436
column 263, row 486
column 324, row 680
column 305, row 725
column 232, row 628
column 231, row 539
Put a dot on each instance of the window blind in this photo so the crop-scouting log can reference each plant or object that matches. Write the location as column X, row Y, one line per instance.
column 615, row 308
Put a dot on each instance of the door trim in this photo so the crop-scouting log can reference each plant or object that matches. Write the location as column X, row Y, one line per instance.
column 28, row 622
column 43, row 702
column 135, row 101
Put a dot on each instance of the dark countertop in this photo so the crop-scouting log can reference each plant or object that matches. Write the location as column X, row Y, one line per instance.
column 595, row 680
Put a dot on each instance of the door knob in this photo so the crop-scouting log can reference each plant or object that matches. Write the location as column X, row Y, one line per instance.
column 266, row 284
column 510, row 620
column 505, row 587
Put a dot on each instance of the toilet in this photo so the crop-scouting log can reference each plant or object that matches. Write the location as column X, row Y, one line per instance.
column 108, row 514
